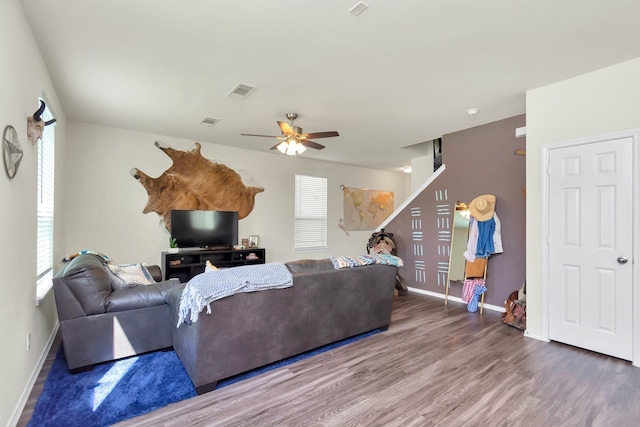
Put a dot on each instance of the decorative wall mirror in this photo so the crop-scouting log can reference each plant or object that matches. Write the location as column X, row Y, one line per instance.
column 459, row 238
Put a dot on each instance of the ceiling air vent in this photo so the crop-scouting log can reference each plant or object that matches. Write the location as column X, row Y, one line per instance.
column 242, row 91
column 209, row 121
column 358, row 8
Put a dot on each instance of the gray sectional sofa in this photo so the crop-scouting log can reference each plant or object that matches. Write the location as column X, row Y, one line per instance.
column 101, row 322
column 249, row 330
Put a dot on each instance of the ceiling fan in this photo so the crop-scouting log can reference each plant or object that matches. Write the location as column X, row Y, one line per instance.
column 293, row 140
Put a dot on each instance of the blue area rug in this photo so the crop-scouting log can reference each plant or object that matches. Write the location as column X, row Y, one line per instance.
column 115, row 391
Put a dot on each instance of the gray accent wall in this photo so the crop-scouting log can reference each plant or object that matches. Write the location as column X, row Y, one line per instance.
column 478, row 161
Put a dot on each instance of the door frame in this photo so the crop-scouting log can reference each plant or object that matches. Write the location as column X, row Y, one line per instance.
column 634, row 134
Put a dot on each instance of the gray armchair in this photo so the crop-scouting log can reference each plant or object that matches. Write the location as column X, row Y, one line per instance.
column 100, row 322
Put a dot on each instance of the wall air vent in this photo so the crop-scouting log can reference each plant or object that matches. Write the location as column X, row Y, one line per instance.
column 209, row 121
column 242, row 91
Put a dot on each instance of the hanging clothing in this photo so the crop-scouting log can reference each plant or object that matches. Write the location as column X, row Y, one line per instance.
column 485, row 246
column 469, row 288
column 472, row 306
column 470, row 253
column 476, row 268
column 497, row 235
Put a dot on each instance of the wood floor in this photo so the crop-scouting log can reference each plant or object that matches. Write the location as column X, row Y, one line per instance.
column 435, row 366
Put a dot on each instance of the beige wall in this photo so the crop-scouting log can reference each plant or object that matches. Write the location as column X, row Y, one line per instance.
column 421, row 169
column 23, row 78
column 601, row 102
column 103, row 208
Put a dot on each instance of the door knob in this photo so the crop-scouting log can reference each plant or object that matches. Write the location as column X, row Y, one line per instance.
column 622, row 260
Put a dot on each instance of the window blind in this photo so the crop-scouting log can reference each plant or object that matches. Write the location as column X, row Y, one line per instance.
column 310, row 229
column 46, row 156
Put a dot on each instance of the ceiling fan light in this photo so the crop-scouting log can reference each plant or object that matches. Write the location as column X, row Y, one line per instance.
column 290, row 140
column 282, row 147
column 291, row 148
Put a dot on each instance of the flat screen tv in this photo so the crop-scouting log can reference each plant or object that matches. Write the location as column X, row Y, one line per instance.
column 204, row 229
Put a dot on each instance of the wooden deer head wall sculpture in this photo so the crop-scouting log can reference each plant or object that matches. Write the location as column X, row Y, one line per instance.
column 193, row 182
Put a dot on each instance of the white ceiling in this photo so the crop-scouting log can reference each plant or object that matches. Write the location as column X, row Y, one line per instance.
column 401, row 73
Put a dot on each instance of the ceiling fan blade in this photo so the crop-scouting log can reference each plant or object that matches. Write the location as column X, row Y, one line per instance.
column 266, row 136
column 311, row 144
column 317, row 135
column 275, row 146
column 286, row 128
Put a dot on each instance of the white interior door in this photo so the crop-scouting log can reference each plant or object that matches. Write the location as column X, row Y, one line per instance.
column 590, row 246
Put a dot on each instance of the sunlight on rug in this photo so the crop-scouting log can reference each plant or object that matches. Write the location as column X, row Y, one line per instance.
column 108, row 382
column 111, row 392
column 115, row 391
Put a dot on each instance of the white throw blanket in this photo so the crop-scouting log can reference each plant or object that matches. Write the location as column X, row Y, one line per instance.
column 360, row 260
column 209, row 286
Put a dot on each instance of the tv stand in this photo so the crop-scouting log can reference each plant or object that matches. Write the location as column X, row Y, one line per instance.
column 188, row 263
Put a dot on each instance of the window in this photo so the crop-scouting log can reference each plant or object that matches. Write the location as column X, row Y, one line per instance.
column 46, row 150
column 310, row 230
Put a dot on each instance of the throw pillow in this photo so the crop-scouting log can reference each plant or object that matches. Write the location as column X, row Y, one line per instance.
column 129, row 275
column 116, row 282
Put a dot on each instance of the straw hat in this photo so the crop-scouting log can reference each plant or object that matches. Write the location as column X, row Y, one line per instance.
column 482, row 207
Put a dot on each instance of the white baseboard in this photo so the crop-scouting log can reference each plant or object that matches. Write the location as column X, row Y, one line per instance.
column 34, row 376
column 535, row 336
column 455, row 299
